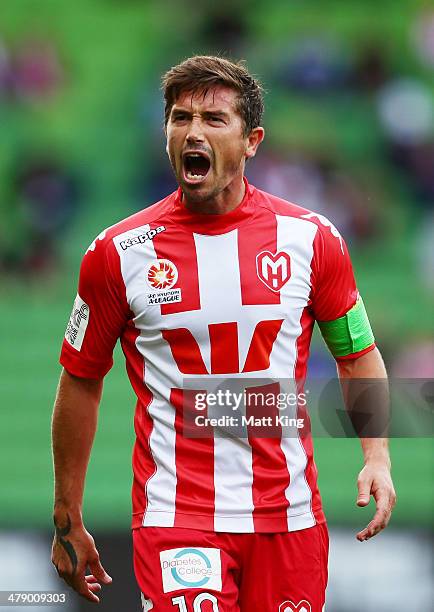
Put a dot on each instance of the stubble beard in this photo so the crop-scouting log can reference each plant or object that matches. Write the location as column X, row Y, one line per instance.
column 197, row 196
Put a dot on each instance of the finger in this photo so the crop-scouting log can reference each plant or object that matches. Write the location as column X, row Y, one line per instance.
column 82, row 588
column 95, row 587
column 362, row 536
column 92, row 582
column 364, row 492
column 89, row 596
column 378, row 523
column 381, row 516
column 370, row 531
column 99, row 572
column 90, row 578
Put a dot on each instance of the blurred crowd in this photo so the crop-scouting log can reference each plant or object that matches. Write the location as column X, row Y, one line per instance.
column 31, row 70
column 41, row 193
column 43, row 199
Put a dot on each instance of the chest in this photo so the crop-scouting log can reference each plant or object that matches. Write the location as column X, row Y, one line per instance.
column 190, row 280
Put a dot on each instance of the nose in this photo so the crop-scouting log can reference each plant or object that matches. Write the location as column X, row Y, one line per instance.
column 195, row 132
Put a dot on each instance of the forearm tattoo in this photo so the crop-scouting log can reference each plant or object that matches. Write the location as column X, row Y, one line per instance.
column 69, row 548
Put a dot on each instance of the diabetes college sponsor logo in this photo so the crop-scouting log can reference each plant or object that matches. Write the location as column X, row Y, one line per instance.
column 191, row 568
column 161, row 275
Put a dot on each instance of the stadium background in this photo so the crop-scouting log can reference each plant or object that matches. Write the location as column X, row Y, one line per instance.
column 350, row 132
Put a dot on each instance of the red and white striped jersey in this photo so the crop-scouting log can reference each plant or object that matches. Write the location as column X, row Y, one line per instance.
column 193, row 295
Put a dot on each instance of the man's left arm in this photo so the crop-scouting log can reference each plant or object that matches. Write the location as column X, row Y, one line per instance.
column 375, row 477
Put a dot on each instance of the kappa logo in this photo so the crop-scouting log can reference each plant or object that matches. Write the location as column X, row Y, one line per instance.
column 273, row 270
column 289, row 606
column 126, row 244
column 161, row 274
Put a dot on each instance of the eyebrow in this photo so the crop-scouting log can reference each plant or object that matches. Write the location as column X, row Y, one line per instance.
column 184, row 111
column 217, row 112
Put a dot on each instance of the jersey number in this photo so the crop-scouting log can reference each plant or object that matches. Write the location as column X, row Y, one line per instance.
column 197, row 603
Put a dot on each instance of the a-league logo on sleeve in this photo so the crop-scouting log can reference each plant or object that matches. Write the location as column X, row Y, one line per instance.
column 77, row 323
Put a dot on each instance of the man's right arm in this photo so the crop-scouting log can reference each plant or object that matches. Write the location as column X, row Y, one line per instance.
column 74, row 425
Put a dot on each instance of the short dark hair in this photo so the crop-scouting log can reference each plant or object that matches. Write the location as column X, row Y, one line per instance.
column 202, row 72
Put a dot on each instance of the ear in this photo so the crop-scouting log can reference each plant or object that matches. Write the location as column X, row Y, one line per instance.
column 254, row 139
column 165, row 136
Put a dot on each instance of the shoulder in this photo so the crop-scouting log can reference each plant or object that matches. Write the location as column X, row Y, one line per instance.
column 144, row 217
column 282, row 207
column 326, row 232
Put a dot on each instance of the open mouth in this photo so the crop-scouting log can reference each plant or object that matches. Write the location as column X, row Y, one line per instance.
column 196, row 167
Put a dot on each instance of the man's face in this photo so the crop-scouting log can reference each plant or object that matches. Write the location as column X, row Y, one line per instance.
column 205, row 142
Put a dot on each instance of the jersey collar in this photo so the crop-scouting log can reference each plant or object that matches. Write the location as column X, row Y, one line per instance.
column 214, row 224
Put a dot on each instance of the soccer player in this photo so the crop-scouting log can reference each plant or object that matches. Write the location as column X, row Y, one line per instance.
column 217, row 279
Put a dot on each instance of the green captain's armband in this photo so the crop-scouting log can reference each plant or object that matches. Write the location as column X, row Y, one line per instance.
column 348, row 334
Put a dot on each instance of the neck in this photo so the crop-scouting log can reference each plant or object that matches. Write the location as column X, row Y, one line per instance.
column 219, row 204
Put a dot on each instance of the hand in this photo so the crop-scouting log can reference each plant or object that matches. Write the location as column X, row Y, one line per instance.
column 73, row 550
column 375, row 480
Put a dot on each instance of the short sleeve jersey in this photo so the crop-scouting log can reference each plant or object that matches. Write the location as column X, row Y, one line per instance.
column 190, row 296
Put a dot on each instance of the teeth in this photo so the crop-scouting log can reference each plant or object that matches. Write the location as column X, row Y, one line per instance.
column 190, row 175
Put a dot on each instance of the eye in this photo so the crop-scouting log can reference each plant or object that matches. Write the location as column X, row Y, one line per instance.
column 216, row 118
column 179, row 117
